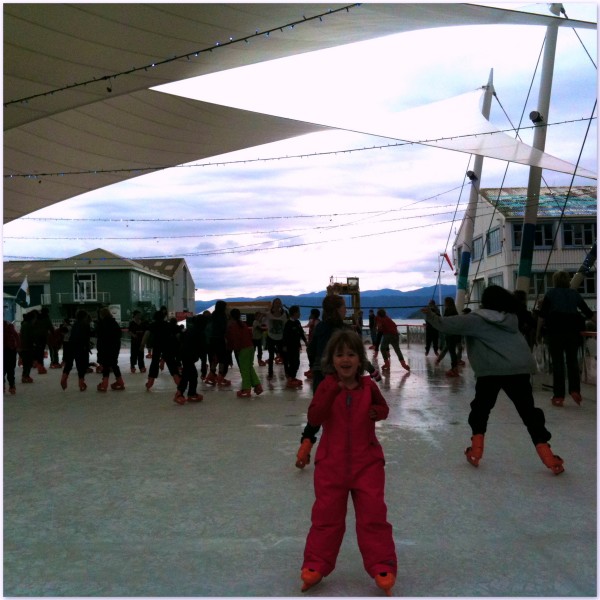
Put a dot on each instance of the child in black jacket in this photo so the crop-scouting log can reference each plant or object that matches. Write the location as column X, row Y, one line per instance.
column 293, row 334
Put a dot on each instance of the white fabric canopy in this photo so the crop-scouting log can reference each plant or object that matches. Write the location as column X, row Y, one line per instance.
column 70, row 106
column 456, row 124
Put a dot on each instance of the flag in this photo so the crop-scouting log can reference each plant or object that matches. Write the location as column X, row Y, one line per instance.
column 22, row 298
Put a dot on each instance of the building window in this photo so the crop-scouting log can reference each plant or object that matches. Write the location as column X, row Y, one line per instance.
column 540, row 283
column 578, row 234
column 477, row 248
column 84, row 287
column 543, row 235
column 588, row 285
column 496, row 280
column 476, row 292
column 493, row 243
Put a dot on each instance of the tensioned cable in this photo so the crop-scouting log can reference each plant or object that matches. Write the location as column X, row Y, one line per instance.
column 219, row 219
column 562, row 214
column 246, row 249
column 443, row 256
column 226, row 233
column 400, row 143
column 564, row 12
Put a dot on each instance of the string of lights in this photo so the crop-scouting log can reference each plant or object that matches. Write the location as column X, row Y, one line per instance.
column 413, row 206
column 400, row 143
column 207, row 235
column 246, row 249
column 187, row 56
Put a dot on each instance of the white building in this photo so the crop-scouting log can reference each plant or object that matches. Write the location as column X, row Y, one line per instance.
column 565, row 232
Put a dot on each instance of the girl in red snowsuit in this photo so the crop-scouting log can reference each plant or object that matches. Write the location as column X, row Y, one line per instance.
column 349, row 460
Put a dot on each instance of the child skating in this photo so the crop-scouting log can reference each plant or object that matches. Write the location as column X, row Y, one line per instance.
column 501, row 360
column 349, row 461
column 239, row 340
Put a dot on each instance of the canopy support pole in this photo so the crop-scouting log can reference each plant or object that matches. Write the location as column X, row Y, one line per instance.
column 539, row 118
column 469, row 220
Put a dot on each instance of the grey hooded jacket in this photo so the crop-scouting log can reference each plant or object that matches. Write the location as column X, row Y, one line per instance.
column 495, row 345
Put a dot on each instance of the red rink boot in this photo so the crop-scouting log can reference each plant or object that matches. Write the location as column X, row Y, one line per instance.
column 404, row 365
column 41, row 369
column 149, row 383
column 82, row 385
column 119, row 384
column 557, row 401
column 222, row 382
column 475, row 451
column 258, row 389
column 310, row 578
column 385, row 581
column 63, row 381
column 244, row 393
column 195, row 398
column 211, row 379
column 103, row 385
column 179, row 398
column 552, row 461
column 386, row 365
column 303, row 455
column 576, row 397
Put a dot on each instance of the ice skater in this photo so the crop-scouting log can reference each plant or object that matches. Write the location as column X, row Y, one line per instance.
column 349, row 461
column 501, row 360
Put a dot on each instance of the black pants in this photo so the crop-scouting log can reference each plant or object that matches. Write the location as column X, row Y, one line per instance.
column 564, row 347
column 292, row 362
column 518, row 389
column 79, row 356
column 10, row 363
column 189, row 376
column 452, row 342
column 432, row 337
column 136, row 355
column 157, row 355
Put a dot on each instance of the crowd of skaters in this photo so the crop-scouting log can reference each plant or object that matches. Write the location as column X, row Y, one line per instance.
column 498, row 337
column 211, row 341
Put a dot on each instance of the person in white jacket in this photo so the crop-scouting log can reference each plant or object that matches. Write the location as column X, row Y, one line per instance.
column 501, row 360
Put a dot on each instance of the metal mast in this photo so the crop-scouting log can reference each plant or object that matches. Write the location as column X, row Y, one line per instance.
column 539, row 118
column 474, row 176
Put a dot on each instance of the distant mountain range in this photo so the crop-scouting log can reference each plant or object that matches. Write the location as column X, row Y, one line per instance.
column 398, row 305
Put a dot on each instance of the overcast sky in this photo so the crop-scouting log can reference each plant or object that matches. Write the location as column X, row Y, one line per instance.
column 383, row 214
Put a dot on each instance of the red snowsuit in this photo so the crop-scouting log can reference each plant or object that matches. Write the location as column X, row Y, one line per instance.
column 349, row 460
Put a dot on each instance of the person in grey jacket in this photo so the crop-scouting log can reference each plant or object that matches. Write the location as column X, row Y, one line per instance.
column 501, row 360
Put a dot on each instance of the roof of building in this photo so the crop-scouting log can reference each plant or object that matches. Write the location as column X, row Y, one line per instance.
column 580, row 201
column 38, row 271
column 166, row 266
